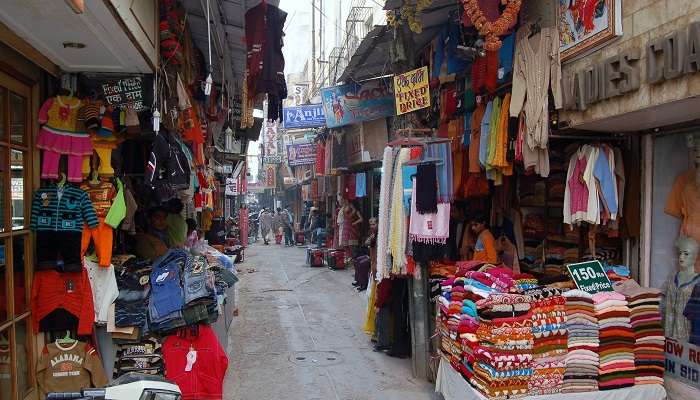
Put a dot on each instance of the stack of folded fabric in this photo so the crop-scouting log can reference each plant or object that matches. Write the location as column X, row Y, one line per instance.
column 525, row 281
column 581, row 374
column 617, row 273
column 503, row 356
column 548, row 314
column 645, row 318
column 450, row 306
column 616, row 352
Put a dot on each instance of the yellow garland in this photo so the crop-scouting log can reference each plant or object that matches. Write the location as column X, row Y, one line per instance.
column 409, row 14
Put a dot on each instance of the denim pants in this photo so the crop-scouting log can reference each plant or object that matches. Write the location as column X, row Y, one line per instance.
column 288, row 239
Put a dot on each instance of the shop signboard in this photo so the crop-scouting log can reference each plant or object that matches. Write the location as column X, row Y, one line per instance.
column 271, row 155
column 357, row 102
column 270, row 176
column 683, row 361
column 411, row 90
column 590, row 277
column 125, row 93
column 231, row 187
column 301, row 154
column 305, row 116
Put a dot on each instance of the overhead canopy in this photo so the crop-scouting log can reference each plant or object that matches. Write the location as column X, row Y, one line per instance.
column 228, row 49
column 371, row 59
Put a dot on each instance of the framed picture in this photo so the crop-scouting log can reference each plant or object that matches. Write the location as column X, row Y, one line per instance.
column 584, row 24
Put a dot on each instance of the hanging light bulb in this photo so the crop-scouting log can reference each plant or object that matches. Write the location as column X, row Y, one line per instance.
column 156, row 121
column 207, row 85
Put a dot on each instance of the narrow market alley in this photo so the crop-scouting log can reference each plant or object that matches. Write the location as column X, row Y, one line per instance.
column 299, row 336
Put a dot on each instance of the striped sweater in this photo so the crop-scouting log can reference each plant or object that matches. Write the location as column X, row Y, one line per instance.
column 68, row 212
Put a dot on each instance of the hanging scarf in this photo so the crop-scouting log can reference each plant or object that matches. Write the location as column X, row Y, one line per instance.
column 384, row 210
column 429, row 228
column 426, row 188
column 397, row 220
column 442, row 151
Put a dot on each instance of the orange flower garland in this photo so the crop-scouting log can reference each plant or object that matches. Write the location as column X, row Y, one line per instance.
column 491, row 30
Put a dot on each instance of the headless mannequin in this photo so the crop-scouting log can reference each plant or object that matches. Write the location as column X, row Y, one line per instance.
column 679, row 289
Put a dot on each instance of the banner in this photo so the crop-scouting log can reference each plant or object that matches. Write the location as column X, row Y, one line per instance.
column 301, row 154
column 306, row 116
column 412, row 91
column 683, row 361
column 270, row 155
column 357, row 102
column 270, row 177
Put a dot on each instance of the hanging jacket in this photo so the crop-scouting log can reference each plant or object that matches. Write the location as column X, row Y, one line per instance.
column 167, row 163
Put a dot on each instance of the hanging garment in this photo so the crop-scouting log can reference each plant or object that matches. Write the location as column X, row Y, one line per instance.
column 442, row 151
column 397, row 224
column 69, row 368
column 361, row 184
column 425, row 188
column 384, row 213
column 433, row 228
column 536, row 67
column 69, row 292
column 104, row 288
column 475, row 141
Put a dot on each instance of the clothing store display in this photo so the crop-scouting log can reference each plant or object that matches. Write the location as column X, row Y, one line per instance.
column 361, row 185
column 582, row 361
column 677, row 296
column 63, row 292
column 69, row 368
column 684, row 203
column 536, row 68
column 397, row 218
column 617, row 341
column 196, row 362
column 384, row 213
column 429, row 228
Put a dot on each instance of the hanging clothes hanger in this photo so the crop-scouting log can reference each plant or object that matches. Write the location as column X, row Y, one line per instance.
column 62, row 180
column 66, row 339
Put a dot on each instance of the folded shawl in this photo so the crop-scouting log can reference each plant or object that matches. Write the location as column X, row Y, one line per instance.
column 426, row 188
column 384, row 211
column 397, row 219
column 429, row 228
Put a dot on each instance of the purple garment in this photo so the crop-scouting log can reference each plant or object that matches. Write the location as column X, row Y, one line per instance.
column 578, row 188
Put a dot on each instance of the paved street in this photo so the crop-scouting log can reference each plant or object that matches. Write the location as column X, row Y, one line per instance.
column 299, row 336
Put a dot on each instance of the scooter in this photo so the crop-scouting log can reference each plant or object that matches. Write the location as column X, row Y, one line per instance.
column 130, row 386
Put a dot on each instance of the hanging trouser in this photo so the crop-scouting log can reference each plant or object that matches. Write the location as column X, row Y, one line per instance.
column 49, row 167
column 101, row 236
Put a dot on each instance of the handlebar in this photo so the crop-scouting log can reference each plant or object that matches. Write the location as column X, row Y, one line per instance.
column 64, row 396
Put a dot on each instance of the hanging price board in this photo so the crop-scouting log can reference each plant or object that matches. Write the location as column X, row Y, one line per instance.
column 590, row 277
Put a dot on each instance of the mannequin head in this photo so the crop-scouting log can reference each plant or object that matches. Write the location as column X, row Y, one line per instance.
column 687, row 253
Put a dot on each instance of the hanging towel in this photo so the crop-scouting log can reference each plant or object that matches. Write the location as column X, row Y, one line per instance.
column 384, row 212
column 429, row 228
column 409, row 172
column 361, row 185
column 426, row 188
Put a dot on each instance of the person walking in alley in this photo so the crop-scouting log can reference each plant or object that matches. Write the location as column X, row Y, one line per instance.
column 265, row 225
column 285, row 221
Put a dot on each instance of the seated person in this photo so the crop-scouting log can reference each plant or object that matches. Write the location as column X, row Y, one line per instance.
column 154, row 243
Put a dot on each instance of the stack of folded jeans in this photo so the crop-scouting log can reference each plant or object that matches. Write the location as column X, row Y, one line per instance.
column 167, row 297
column 581, row 373
column 131, row 306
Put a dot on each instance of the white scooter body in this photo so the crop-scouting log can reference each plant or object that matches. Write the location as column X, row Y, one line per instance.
column 134, row 390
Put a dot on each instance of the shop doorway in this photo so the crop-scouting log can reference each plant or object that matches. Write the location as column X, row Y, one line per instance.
column 16, row 360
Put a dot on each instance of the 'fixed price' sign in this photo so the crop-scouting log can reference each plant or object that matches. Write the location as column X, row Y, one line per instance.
column 590, row 277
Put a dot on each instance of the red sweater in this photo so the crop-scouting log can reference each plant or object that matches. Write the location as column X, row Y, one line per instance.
column 68, row 290
column 205, row 380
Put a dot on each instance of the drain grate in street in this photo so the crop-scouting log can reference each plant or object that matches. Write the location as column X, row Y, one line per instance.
column 315, row 358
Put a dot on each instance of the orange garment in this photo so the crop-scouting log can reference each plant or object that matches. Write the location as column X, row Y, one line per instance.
column 499, row 158
column 101, row 195
column 477, row 116
column 485, row 249
column 102, row 237
column 684, row 203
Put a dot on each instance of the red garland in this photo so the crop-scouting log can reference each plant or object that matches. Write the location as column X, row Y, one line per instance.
column 491, row 30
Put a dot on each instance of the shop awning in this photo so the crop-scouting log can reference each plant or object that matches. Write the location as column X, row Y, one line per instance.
column 371, row 59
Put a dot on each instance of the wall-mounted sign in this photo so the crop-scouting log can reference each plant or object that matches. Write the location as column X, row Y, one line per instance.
column 125, row 93
column 411, row 91
column 270, row 176
column 306, row 116
column 270, row 154
column 683, row 361
column 668, row 57
column 301, row 154
column 357, row 102
column 290, row 180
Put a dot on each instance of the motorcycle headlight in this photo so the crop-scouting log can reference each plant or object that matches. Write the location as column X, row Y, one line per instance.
column 160, row 395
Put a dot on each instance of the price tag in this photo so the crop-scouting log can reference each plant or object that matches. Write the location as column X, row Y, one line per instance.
column 590, row 277
column 191, row 359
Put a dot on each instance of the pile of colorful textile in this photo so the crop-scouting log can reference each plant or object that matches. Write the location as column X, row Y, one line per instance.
column 525, row 281
column 581, row 374
column 503, row 354
column 645, row 318
column 616, row 369
column 617, row 273
column 548, row 314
